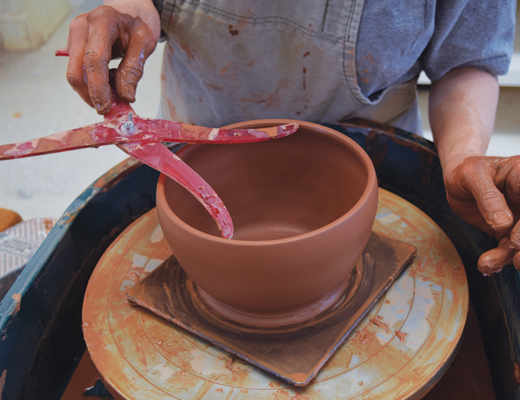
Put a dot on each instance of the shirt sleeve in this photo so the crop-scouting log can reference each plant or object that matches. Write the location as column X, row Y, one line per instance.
column 159, row 4
column 471, row 33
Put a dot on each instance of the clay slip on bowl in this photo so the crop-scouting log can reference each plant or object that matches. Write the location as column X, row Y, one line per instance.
column 303, row 209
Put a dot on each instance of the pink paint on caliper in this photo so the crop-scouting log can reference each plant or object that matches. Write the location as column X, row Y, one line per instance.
column 141, row 138
column 157, row 156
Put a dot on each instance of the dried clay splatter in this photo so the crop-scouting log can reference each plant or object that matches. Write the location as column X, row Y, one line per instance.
column 377, row 322
column 401, row 335
column 17, row 297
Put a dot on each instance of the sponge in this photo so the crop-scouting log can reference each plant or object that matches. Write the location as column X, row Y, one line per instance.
column 8, row 218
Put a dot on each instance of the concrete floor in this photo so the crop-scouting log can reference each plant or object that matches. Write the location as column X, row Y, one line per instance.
column 38, row 101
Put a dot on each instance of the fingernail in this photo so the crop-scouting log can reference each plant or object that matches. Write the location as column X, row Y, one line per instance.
column 485, row 270
column 129, row 93
column 501, row 219
column 487, row 263
column 102, row 108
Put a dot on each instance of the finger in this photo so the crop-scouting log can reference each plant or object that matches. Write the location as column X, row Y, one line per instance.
column 494, row 260
column 516, row 261
column 515, row 236
column 513, row 179
column 103, row 32
column 76, row 42
column 142, row 43
column 490, row 201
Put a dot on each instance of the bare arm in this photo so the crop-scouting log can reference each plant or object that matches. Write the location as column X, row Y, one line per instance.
column 462, row 107
column 484, row 191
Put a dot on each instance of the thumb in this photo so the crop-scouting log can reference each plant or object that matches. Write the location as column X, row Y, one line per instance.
column 495, row 259
column 490, row 201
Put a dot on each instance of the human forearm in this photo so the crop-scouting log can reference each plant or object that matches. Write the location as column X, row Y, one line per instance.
column 462, row 114
column 143, row 9
column 482, row 190
column 462, row 109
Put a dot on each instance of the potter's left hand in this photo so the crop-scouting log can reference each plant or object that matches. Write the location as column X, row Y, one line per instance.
column 485, row 192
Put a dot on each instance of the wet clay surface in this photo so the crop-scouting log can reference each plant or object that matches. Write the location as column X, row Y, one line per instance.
column 276, row 190
column 302, row 210
column 147, row 357
column 467, row 378
column 296, row 351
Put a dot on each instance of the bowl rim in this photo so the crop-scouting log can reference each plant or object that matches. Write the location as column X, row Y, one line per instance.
column 364, row 158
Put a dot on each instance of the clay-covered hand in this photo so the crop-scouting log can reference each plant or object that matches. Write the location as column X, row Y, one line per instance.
column 485, row 192
column 104, row 34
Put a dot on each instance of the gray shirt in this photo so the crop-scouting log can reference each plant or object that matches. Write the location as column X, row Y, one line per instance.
column 322, row 60
column 398, row 39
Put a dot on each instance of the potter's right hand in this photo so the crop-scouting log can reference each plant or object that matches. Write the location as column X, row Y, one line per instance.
column 127, row 29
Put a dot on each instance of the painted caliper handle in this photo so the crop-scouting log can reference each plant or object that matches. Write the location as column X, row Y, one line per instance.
column 157, row 156
column 141, row 138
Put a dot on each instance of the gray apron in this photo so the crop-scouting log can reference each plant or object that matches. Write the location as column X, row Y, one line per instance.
column 228, row 61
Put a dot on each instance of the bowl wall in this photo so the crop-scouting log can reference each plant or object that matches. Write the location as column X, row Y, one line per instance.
column 275, row 189
column 302, row 206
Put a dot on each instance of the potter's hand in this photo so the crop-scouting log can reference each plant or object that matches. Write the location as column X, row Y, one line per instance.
column 127, row 29
column 485, row 192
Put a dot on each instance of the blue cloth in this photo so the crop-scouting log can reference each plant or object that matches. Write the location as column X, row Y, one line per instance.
column 322, row 60
column 398, row 39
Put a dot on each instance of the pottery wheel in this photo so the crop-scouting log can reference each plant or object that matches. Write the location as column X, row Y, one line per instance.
column 399, row 350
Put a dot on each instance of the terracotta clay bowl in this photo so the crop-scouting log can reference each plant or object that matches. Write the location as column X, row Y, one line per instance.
column 303, row 209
